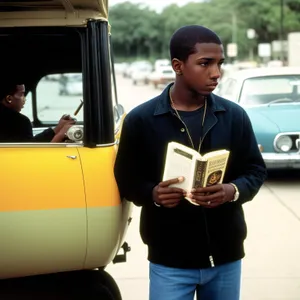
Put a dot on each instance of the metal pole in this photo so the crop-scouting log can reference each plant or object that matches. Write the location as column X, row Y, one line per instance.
column 234, row 28
column 281, row 29
column 234, row 32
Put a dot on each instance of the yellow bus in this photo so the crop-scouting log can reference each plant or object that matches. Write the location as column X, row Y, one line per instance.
column 60, row 209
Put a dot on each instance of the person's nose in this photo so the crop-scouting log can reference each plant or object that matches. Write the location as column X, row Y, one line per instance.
column 215, row 72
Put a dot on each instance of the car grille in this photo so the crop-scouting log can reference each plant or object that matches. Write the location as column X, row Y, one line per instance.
column 295, row 137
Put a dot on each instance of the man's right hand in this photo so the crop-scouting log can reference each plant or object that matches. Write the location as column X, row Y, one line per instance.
column 168, row 196
column 65, row 120
column 61, row 135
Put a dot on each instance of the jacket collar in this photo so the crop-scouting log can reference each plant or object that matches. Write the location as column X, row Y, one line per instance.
column 163, row 106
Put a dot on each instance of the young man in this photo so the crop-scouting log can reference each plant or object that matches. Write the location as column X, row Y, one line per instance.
column 191, row 248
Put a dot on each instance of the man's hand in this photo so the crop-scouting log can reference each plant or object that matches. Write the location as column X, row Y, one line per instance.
column 168, row 196
column 213, row 196
column 61, row 135
column 64, row 120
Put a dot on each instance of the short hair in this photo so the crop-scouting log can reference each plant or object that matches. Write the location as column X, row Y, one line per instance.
column 8, row 84
column 184, row 40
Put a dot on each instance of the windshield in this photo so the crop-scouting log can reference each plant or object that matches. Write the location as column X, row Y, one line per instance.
column 270, row 89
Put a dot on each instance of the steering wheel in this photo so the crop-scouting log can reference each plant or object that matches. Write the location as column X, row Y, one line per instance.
column 281, row 100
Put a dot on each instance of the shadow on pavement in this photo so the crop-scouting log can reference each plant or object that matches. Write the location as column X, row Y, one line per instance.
column 284, row 176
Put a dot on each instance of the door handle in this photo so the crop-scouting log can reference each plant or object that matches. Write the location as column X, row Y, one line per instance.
column 72, row 156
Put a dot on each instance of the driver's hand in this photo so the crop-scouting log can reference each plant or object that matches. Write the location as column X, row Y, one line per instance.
column 65, row 128
column 64, row 120
column 61, row 135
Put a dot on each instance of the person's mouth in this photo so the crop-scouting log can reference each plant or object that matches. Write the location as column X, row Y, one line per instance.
column 213, row 84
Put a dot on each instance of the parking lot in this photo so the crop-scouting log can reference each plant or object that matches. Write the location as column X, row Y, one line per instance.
column 271, row 268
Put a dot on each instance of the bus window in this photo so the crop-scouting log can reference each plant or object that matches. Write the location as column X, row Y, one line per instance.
column 59, row 94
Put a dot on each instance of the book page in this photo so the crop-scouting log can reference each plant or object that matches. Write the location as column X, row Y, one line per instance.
column 216, row 153
column 179, row 163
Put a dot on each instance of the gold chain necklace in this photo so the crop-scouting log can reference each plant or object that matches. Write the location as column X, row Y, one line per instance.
column 186, row 129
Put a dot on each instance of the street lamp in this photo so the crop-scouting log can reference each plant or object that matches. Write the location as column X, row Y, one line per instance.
column 281, row 29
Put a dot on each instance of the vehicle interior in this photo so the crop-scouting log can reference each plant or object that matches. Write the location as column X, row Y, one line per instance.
column 271, row 90
column 35, row 53
column 41, row 58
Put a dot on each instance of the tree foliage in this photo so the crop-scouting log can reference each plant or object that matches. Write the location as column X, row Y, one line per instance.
column 138, row 31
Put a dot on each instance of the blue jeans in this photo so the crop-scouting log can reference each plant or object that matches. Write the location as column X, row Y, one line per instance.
column 218, row 283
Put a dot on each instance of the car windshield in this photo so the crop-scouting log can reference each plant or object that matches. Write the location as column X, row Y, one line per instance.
column 270, row 90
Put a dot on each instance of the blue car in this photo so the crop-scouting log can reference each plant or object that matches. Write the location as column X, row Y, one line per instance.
column 271, row 97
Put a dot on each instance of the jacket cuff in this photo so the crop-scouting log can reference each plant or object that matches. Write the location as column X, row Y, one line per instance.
column 144, row 196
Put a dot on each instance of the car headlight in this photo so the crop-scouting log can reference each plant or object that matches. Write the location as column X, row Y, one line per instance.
column 284, row 143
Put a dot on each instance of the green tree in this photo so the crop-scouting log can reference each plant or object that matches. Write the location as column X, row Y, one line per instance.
column 141, row 32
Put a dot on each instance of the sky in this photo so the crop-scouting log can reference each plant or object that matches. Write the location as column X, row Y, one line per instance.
column 158, row 5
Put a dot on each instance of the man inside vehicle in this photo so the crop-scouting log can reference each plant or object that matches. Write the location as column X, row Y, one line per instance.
column 16, row 127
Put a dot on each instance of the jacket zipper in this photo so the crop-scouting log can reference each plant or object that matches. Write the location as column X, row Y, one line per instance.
column 210, row 257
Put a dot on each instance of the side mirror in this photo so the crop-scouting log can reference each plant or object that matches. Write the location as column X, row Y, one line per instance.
column 118, row 112
column 121, row 109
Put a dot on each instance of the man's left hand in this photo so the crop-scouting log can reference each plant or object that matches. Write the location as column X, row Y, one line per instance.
column 64, row 120
column 213, row 196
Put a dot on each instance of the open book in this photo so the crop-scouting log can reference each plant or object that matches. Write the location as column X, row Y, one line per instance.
column 198, row 171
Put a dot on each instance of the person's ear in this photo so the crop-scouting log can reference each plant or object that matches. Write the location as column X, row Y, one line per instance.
column 177, row 66
column 8, row 99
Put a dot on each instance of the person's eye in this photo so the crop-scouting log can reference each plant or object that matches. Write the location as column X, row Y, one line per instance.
column 203, row 64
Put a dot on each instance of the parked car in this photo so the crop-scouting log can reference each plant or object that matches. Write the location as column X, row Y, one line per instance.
column 271, row 97
column 134, row 66
column 162, row 76
column 120, row 67
column 161, row 63
column 141, row 73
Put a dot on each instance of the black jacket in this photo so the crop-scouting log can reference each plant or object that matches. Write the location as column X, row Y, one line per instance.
column 17, row 128
column 185, row 236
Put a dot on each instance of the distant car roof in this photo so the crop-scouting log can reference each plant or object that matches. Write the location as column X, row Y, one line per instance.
column 165, row 68
column 257, row 72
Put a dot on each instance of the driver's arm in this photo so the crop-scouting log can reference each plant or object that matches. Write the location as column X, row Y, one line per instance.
column 44, row 137
column 60, row 136
column 57, row 134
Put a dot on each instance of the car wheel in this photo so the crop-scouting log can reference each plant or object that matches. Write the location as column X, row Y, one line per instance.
column 76, row 285
column 108, row 281
column 97, row 284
